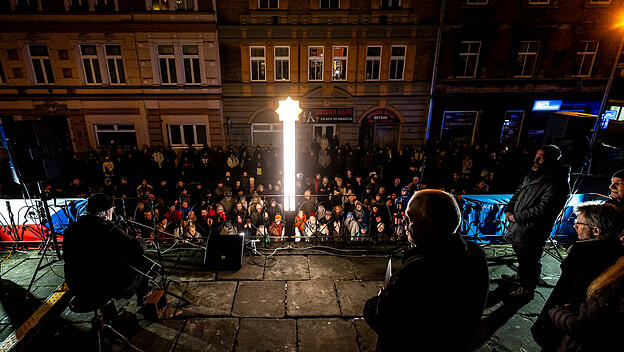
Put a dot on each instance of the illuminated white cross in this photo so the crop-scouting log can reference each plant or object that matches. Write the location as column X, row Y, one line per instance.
column 288, row 112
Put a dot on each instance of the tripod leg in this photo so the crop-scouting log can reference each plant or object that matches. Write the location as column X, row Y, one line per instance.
column 45, row 249
column 121, row 337
column 186, row 301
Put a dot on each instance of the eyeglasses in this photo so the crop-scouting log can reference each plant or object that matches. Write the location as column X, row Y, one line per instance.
column 581, row 223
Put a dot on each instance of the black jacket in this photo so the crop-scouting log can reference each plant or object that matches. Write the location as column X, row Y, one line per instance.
column 97, row 253
column 536, row 204
column 596, row 325
column 586, row 260
column 434, row 301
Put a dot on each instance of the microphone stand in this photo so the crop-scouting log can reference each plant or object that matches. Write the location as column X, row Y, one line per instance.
column 164, row 281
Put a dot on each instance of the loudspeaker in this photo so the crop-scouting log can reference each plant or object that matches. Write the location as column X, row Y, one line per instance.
column 224, row 252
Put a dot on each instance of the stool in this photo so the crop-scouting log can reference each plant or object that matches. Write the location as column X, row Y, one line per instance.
column 85, row 305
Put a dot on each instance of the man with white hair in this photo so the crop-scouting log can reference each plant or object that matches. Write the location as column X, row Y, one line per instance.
column 440, row 289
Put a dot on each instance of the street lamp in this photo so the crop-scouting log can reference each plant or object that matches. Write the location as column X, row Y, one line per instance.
column 288, row 112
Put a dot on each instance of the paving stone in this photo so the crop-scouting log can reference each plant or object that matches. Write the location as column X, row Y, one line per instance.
column 288, row 267
column 328, row 267
column 336, row 335
column 274, row 335
column 212, row 334
column 371, row 268
column 247, row 272
column 191, row 273
column 156, row 337
column 366, row 337
column 353, row 295
column 207, row 298
column 259, row 299
column 311, row 298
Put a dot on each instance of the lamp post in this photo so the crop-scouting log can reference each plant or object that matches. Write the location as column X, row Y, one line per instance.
column 288, row 112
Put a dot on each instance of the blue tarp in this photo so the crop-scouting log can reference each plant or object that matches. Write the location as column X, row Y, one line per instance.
column 67, row 214
column 484, row 216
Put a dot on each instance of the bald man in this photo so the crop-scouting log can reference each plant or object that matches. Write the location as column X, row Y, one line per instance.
column 435, row 300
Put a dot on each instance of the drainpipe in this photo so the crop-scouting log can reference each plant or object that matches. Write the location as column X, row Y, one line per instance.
column 434, row 74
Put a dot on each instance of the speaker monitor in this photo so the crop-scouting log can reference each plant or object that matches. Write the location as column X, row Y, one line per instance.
column 224, row 252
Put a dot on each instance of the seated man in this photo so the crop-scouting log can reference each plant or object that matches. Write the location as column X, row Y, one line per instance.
column 435, row 300
column 598, row 227
column 98, row 255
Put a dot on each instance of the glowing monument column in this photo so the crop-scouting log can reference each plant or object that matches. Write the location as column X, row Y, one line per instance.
column 288, row 112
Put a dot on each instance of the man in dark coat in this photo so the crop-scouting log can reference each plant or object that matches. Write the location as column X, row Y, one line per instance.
column 617, row 190
column 531, row 213
column 98, row 255
column 436, row 299
column 598, row 227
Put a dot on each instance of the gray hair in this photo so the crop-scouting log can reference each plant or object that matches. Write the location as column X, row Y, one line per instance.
column 604, row 216
column 101, row 214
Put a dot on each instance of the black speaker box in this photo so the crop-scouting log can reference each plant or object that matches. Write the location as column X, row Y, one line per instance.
column 224, row 252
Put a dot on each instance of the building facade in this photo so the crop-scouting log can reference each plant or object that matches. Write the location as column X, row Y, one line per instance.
column 524, row 71
column 361, row 69
column 113, row 73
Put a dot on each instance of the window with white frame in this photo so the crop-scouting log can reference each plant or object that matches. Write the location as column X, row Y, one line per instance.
column 192, row 72
column 330, row 4
column 263, row 134
column 339, row 63
column 585, row 56
column 183, row 135
column 105, row 5
column 315, row 63
column 390, row 4
column 258, row 63
column 373, row 62
column 2, row 76
column 282, row 63
column 476, row 2
column 527, row 57
column 167, row 64
column 160, row 5
column 268, row 4
column 26, row 5
column 323, row 130
column 40, row 60
column 468, row 59
column 118, row 135
column 115, row 65
column 91, row 64
column 397, row 62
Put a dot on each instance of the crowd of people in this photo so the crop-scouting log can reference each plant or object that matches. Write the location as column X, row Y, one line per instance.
column 343, row 191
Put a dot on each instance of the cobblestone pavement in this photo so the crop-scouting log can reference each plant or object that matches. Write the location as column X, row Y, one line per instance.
column 294, row 300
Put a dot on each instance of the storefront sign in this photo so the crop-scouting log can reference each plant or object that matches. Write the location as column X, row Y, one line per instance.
column 327, row 115
column 381, row 115
column 458, row 125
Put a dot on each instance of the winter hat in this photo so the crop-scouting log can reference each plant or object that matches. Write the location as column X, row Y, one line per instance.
column 99, row 202
column 278, row 217
column 619, row 174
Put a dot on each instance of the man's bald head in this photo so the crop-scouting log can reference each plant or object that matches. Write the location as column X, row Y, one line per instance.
column 432, row 214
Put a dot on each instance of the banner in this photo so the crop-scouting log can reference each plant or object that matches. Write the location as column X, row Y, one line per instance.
column 327, row 115
column 381, row 115
column 458, row 125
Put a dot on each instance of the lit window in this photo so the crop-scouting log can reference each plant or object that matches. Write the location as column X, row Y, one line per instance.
column 468, row 59
column 373, row 62
column 114, row 135
column 258, row 63
column 268, row 4
column 282, row 63
column 182, row 135
column 41, row 64
column 339, row 63
column 397, row 62
column 115, row 64
column 167, row 63
column 185, row 5
column 315, row 63
column 160, row 5
column 330, row 4
column 585, row 56
column 527, row 57
column 91, row 64
column 192, row 73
